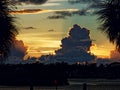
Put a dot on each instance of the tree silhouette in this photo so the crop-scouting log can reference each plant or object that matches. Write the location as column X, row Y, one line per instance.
column 8, row 29
column 109, row 17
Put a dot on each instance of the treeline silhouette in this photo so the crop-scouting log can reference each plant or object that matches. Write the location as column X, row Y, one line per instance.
column 35, row 74
column 50, row 74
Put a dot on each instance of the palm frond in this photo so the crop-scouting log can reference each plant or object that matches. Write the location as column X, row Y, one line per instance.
column 8, row 30
column 109, row 17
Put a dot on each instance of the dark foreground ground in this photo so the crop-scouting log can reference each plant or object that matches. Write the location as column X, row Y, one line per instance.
column 75, row 84
column 38, row 74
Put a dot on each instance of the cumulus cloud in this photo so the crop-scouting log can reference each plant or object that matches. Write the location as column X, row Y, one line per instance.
column 74, row 55
column 74, row 48
column 78, row 38
column 18, row 49
column 17, row 52
column 76, row 45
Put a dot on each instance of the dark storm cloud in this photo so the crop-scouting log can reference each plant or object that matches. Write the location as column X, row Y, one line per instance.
column 64, row 14
column 28, row 1
column 17, row 53
column 18, row 49
column 74, row 47
column 78, row 38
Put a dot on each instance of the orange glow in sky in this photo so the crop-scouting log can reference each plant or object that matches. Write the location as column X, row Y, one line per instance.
column 101, row 52
column 38, row 46
column 43, row 35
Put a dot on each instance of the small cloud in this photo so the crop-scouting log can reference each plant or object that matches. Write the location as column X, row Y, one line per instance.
column 51, row 30
column 64, row 13
column 83, row 12
column 61, row 14
column 56, row 17
column 27, row 28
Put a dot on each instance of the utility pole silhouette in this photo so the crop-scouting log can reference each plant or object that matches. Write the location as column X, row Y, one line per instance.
column 56, row 82
column 84, row 86
column 31, row 87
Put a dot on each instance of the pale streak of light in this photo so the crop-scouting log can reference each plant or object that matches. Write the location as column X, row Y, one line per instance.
column 38, row 11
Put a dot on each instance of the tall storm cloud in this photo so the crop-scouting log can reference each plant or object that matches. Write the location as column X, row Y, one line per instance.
column 17, row 52
column 74, row 48
column 76, row 45
column 78, row 39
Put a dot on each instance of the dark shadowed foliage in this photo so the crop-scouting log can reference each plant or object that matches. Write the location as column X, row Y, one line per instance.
column 8, row 30
column 109, row 17
column 46, row 74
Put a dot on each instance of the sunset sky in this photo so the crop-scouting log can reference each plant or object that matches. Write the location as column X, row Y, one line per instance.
column 43, row 26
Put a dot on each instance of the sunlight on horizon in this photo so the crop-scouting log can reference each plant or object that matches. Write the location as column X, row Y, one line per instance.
column 38, row 46
column 43, row 35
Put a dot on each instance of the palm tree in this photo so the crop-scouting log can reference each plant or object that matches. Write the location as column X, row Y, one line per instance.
column 8, row 29
column 109, row 17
